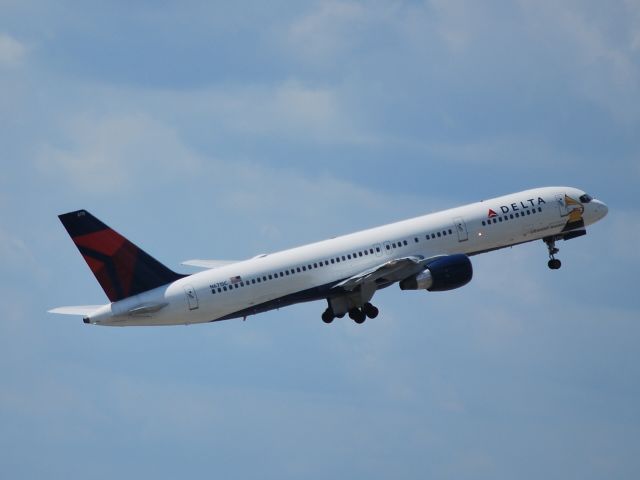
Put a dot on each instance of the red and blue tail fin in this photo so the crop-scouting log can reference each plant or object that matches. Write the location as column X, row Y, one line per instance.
column 121, row 268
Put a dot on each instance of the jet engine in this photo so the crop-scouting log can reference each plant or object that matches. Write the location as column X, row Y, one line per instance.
column 442, row 273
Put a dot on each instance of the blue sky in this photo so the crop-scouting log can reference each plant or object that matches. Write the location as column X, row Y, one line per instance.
column 228, row 129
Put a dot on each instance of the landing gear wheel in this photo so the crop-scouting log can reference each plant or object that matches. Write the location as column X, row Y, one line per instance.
column 327, row 316
column 554, row 264
column 370, row 311
column 340, row 315
column 357, row 315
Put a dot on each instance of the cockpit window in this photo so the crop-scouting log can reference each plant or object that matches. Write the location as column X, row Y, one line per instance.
column 586, row 198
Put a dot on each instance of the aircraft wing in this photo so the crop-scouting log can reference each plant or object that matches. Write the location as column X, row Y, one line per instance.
column 208, row 264
column 384, row 274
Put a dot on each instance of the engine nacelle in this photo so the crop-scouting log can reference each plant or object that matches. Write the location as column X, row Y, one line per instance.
column 443, row 273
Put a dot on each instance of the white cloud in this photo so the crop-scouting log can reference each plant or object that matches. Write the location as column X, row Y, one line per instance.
column 603, row 68
column 328, row 31
column 501, row 151
column 12, row 52
column 455, row 22
column 289, row 109
column 622, row 243
column 16, row 256
column 13, row 249
column 285, row 204
column 114, row 153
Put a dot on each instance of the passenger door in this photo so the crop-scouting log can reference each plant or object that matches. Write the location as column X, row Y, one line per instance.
column 192, row 297
column 461, row 229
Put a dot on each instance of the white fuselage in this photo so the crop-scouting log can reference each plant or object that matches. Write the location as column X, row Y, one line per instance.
column 304, row 273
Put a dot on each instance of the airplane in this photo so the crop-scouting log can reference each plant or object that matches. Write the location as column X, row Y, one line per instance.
column 429, row 252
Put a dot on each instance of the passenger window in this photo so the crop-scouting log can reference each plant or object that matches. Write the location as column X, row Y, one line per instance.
column 371, row 251
column 483, row 222
column 344, row 259
column 219, row 290
column 378, row 249
column 450, row 232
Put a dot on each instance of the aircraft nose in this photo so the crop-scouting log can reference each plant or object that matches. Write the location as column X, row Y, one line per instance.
column 600, row 209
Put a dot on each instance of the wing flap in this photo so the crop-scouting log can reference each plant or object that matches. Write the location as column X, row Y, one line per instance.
column 391, row 271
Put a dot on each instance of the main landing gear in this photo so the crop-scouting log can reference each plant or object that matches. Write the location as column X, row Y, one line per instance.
column 358, row 315
column 554, row 263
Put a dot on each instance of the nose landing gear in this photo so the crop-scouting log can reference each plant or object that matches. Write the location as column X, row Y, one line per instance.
column 554, row 263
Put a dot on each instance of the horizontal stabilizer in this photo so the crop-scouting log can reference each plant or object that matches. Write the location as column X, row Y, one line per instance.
column 84, row 310
column 208, row 263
